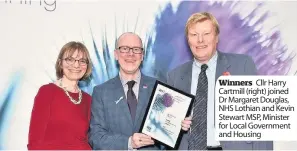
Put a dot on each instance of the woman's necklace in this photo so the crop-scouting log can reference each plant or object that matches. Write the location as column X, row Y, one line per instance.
column 71, row 99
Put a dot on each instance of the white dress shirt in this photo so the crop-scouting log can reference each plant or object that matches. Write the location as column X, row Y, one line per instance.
column 211, row 75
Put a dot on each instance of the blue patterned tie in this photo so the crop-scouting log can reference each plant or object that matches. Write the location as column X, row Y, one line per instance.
column 131, row 98
column 198, row 134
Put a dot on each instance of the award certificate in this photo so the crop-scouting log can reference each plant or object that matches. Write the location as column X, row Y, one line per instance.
column 167, row 108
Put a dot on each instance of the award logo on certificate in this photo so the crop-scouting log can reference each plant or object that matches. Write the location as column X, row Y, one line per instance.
column 167, row 108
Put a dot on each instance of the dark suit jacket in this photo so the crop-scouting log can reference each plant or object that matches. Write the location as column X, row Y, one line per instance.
column 111, row 123
column 236, row 64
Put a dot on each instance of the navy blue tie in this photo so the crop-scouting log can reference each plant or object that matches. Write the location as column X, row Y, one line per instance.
column 131, row 98
column 198, row 134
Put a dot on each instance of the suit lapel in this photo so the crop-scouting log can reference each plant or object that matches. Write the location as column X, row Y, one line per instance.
column 186, row 78
column 143, row 98
column 222, row 65
column 122, row 105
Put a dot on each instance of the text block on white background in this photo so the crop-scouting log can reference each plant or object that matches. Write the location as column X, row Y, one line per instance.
column 256, row 108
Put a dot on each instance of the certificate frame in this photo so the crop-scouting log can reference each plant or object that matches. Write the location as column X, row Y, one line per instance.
column 166, row 109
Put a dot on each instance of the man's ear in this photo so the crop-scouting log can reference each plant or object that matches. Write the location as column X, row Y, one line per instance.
column 116, row 55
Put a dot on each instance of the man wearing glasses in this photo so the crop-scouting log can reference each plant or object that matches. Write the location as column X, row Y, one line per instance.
column 118, row 105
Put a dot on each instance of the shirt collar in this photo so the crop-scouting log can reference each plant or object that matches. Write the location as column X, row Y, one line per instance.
column 137, row 79
column 211, row 63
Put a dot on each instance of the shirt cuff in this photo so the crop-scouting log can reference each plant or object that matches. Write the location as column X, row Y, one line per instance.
column 130, row 144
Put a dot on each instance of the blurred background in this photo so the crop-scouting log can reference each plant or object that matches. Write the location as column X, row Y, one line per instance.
column 33, row 32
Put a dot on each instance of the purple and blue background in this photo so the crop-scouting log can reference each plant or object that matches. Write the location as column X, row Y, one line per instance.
column 33, row 33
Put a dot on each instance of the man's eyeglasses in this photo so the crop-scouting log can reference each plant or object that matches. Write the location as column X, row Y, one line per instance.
column 126, row 49
column 71, row 61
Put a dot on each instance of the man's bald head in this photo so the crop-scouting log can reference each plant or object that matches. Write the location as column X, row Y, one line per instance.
column 129, row 39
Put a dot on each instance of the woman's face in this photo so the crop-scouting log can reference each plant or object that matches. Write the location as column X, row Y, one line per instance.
column 75, row 66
